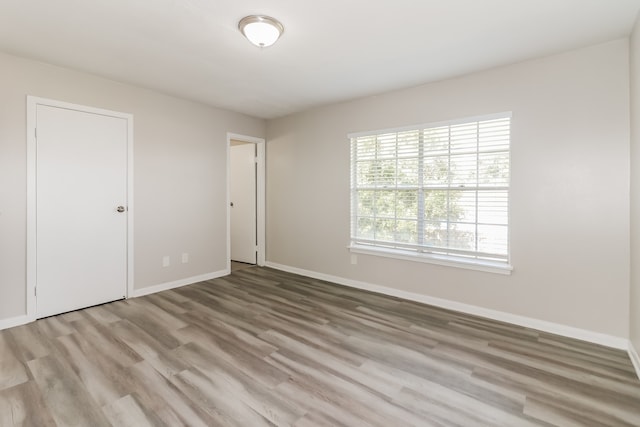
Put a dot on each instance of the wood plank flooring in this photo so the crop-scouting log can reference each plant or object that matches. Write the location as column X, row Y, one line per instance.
column 236, row 265
column 262, row 348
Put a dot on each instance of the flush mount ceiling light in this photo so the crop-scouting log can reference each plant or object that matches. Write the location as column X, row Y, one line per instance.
column 260, row 30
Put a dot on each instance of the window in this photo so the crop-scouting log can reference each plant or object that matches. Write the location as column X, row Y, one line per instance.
column 434, row 192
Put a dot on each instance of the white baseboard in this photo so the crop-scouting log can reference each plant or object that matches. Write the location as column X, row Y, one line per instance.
column 527, row 322
column 178, row 283
column 635, row 358
column 14, row 321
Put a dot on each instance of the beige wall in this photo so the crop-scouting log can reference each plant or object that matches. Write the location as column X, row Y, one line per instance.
column 179, row 172
column 634, row 50
column 569, row 191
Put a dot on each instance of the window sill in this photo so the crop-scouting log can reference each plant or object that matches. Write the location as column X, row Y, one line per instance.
column 449, row 261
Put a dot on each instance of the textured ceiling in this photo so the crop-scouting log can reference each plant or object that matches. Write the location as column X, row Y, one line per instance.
column 332, row 50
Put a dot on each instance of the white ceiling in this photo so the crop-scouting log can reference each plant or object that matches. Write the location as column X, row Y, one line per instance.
column 332, row 50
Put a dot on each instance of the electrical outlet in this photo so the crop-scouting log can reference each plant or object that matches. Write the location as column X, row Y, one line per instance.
column 166, row 261
column 185, row 258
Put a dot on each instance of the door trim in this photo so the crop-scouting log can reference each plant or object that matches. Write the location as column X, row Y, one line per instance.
column 260, row 195
column 32, row 103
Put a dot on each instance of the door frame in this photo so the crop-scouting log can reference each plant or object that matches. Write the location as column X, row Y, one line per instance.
column 32, row 104
column 260, row 195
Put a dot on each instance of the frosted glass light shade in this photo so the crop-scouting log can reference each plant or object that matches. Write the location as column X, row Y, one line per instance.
column 260, row 30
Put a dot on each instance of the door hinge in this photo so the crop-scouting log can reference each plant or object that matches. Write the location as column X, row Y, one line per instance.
column 35, row 132
column 35, row 291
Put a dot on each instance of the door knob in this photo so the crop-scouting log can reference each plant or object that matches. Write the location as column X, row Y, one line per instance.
column 120, row 209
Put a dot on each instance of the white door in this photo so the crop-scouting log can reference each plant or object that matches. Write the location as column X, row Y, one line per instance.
column 81, row 187
column 243, row 202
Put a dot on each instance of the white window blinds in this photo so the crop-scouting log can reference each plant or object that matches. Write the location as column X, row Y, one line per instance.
column 434, row 189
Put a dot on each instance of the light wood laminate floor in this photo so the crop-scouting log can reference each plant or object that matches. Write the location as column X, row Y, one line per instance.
column 262, row 347
column 235, row 265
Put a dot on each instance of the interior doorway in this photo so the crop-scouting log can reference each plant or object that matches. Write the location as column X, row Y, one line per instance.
column 242, row 195
column 78, row 245
column 245, row 201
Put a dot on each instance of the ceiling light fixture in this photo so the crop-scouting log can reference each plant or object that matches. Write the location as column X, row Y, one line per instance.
column 261, row 30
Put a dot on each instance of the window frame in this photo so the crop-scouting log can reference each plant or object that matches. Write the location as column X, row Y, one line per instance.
column 416, row 252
